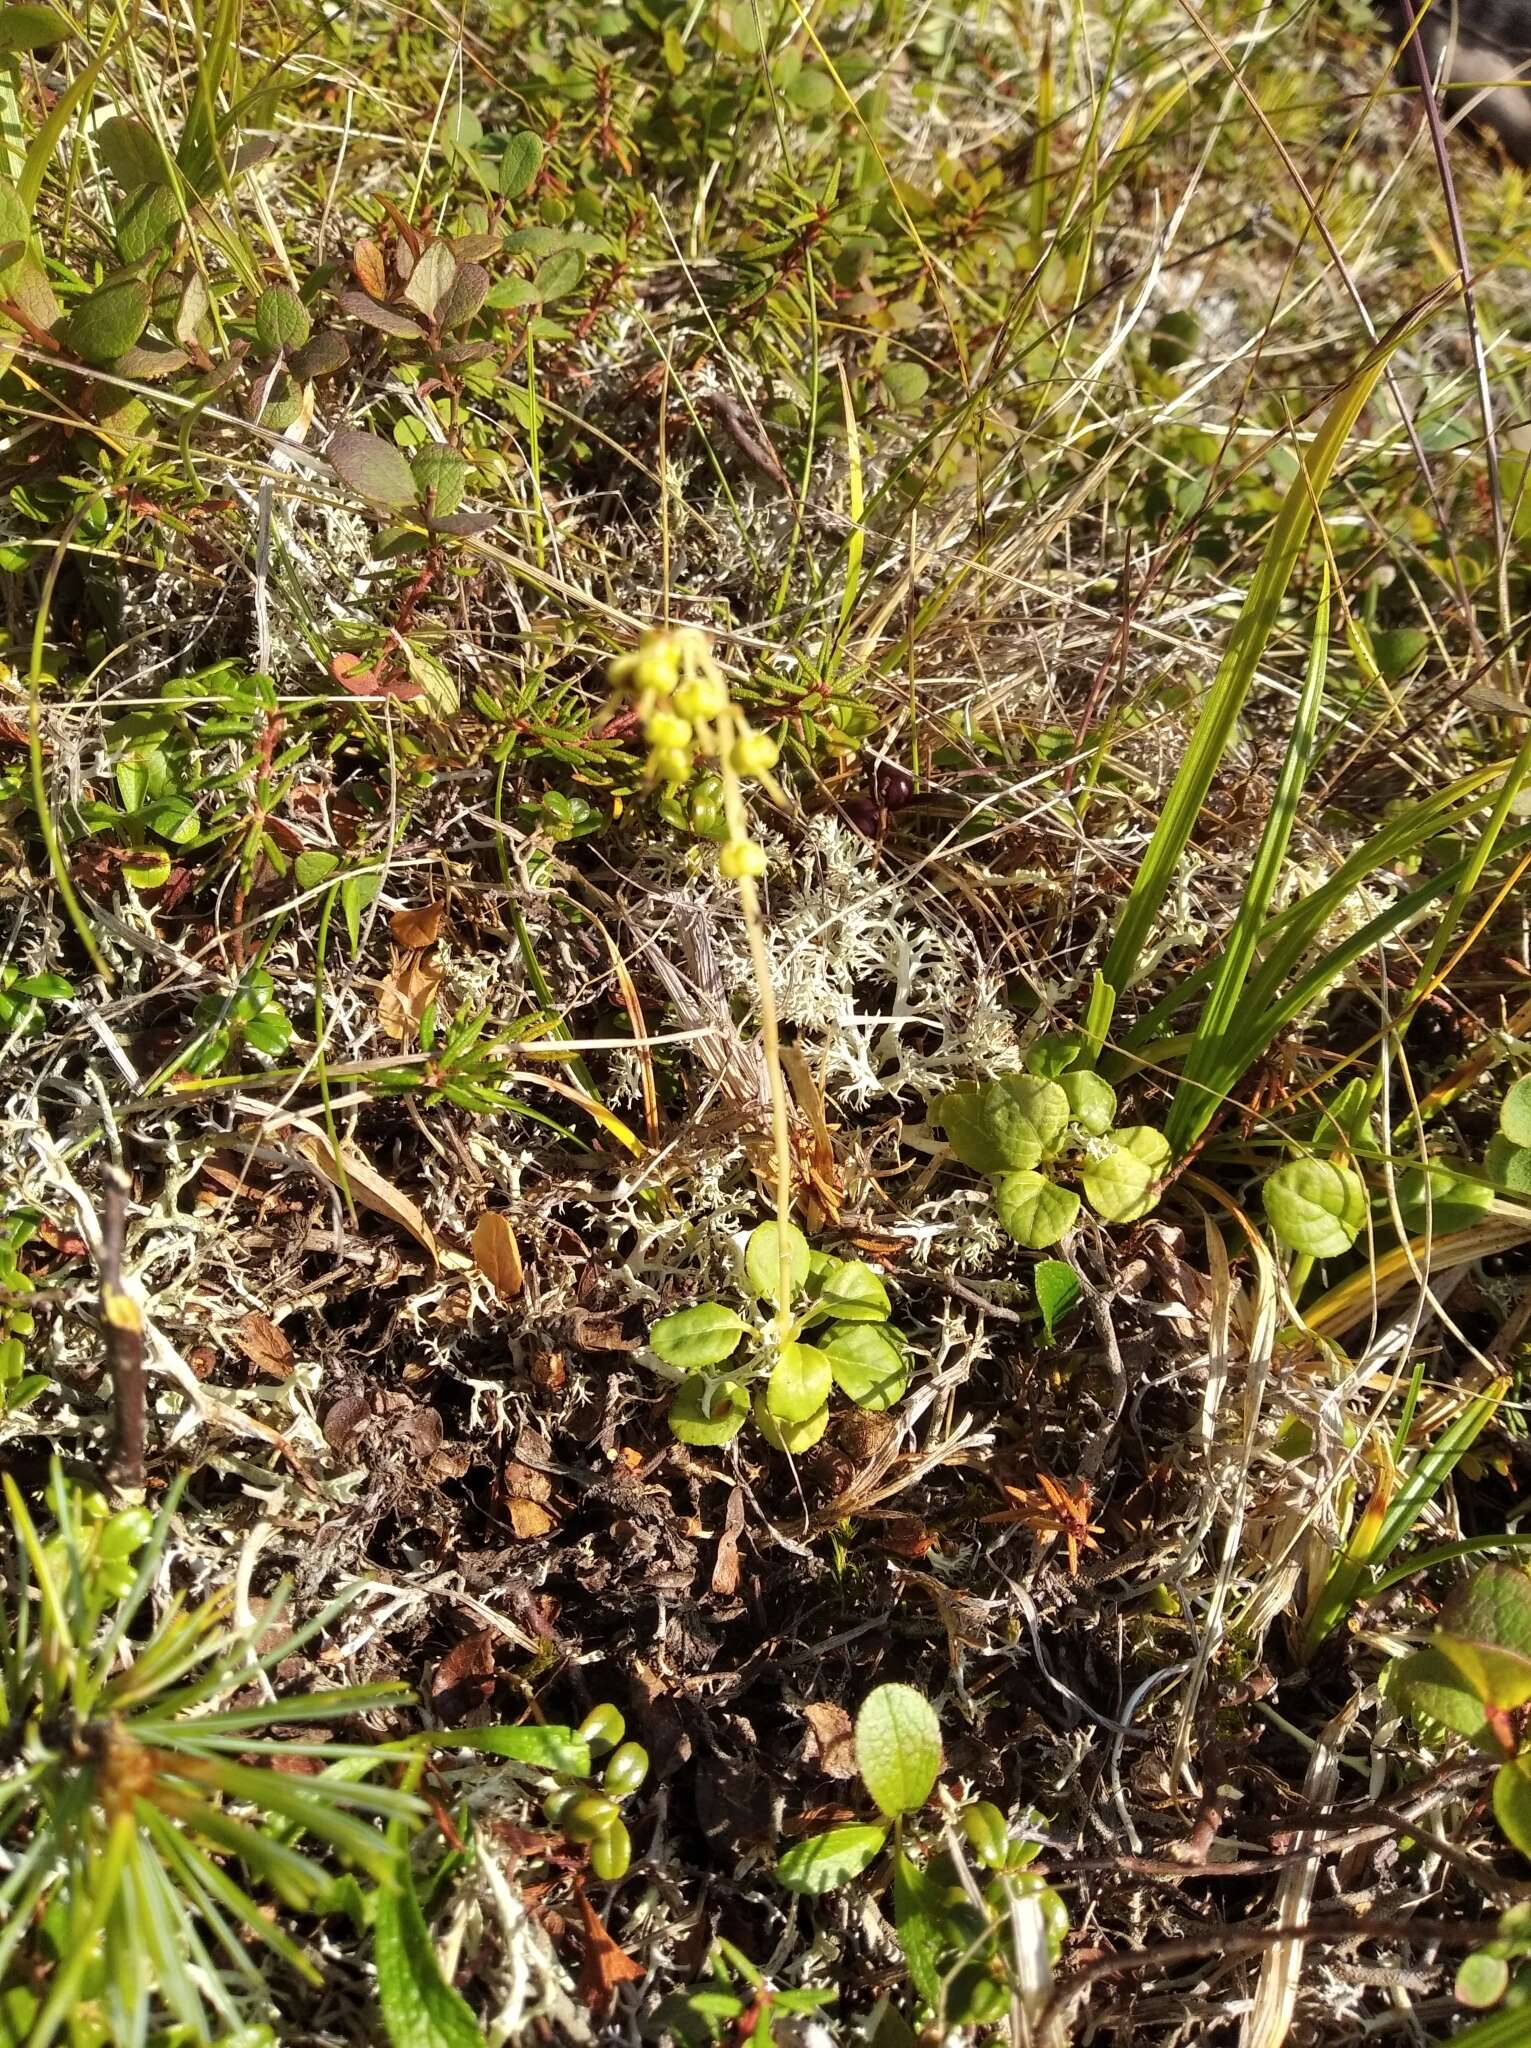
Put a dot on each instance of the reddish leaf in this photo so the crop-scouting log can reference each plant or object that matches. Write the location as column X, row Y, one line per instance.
column 418, row 929
column 371, row 269
column 604, row 1965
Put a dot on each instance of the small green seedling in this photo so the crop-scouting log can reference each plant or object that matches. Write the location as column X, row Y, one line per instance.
column 1474, row 1679
column 22, row 997
column 957, row 1934
column 736, row 2003
column 1038, row 1134
column 855, row 1348
column 247, row 1016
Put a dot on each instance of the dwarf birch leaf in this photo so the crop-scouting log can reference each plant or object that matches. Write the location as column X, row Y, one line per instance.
column 988, row 1130
column 695, row 1338
column 1315, row 1207
column 898, row 1748
column 1034, row 1210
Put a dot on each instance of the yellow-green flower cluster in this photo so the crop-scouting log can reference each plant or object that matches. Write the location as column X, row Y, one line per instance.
column 688, row 717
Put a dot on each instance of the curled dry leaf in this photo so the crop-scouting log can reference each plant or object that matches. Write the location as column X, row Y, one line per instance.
column 406, row 996
column 497, row 1255
column 368, row 1187
column 604, row 1965
column 834, row 1737
column 418, row 928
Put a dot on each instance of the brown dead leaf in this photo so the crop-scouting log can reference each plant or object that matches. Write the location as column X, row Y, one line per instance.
column 604, row 1964
column 263, row 1344
column 525, row 1482
column 530, row 1519
column 595, row 1332
column 725, row 1570
column 406, row 995
column 550, row 1373
column 465, row 1677
column 368, row 1187
column 370, row 268
column 419, row 928
column 834, row 1737
column 497, row 1255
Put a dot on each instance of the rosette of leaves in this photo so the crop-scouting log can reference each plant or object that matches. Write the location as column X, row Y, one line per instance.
column 1048, row 1140
column 836, row 1333
column 1473, row 1679
column 957, row 1938
column 148, row 1824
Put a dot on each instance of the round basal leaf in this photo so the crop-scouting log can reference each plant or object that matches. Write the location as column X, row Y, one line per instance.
column 906, row 384
column 869, row 1366
column 1515, row 1113
column 1485, row 1634
column 1092, row 1102
column 762, row 1260
column 373, row 468
column 441, row 479
column 898, row 1748
column 151, row 220
column 1439, row 1199
column 793, row 1437
column 695, row 1338
column 1034, row 1209
column 1053, row 1054
column 822, row 1863
column 558, row 275
column 1508, row 1166
column 1043, row 1103
column 31, row 28
column 1482, row 1980
column 520, row 163
column 988, row 1130
column 1120, row 1186
column 1056, row 1286
column 707, row 1412
column 799, row 1383
column 812, row 90
column 109, row 321
column 281, row 319
column 1432, row 1692
column 852, row 1293
column 1512, row 1803
column 1315, row 1207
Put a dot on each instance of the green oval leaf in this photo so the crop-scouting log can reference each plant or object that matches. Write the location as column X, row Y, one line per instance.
column 1315, row 1207
column 695, row 1338
column 131, row 152
column 1119, row 1187
column 371, row 467
column 988, row 1130
column 898, row 1748
column 1507, row 1165
column 281, row 319
column 1034, row 1210
column 793, row 1437
column 1091, row 1101
column 1044, row 1103
column 869, row 1366
column 420, row 2008
column 558, row 275
column 1512, row 1803
column 822, row 1863
column 1431, row 1691
column 708, row 1412
column 762, row 1260
column 852, row 1293
column 1437, row 1198
column 441, row 479
column 799, row 1384
column 1515, row 1113
column 102, row 326
column 520, row 163
column 431, row 278
column 1485, row 1634
column 151, row 220
column 1056, row 1286
column 31, row 28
